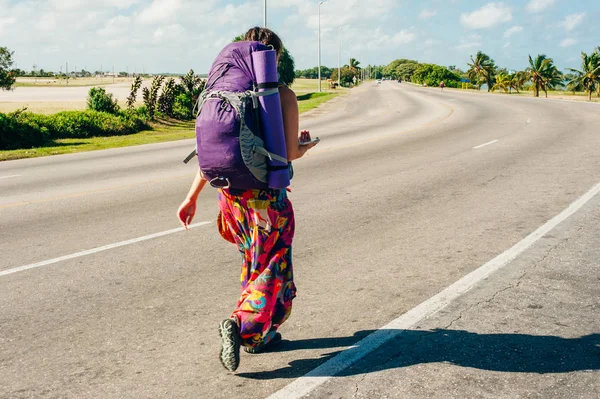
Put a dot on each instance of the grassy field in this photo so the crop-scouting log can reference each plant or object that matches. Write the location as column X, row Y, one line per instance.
column 312, row 85
column 44, row 107
column 73, row 82
column 162, row 131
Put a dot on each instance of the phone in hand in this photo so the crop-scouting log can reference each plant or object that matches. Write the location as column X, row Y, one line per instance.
column 315, row 140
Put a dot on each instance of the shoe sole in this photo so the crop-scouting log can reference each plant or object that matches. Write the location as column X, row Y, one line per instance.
column 230, row 345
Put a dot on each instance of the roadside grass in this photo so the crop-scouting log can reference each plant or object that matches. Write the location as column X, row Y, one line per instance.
column 310, row 101
column 579, row 96
column 556, row 94
column 162, row 131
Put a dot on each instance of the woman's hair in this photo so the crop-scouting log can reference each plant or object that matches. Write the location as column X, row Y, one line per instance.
column 265, row 36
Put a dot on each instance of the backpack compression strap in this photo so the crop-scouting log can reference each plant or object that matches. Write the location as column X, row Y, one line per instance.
column 270, row 155
column 256, row 94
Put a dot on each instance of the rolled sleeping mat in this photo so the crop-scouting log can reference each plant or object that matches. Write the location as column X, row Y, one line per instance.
column 271, row 118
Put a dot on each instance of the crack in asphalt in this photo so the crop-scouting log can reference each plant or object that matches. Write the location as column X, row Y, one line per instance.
column 518, row 281
column 364, row 375
column 489, row 300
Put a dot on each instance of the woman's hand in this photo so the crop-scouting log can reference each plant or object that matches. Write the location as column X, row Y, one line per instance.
column 187, row 209
column 186, row 212
column 304, row 137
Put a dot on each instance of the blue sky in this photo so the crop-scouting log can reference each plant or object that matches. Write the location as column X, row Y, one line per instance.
column 175, row 35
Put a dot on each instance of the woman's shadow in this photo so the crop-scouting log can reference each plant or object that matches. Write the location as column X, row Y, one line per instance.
column 520, row 353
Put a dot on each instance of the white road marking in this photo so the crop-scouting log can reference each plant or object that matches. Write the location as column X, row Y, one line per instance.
column 8, row 177
column 304, row 385
column 485, row 144
column 98, row 249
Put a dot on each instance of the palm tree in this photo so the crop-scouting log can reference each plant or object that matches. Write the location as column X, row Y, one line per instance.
column 543, row 74
column 503, row 82
column 597, row 51
column 589, row 75
column 573, row 84
column 354, row 65
column 518, row 80
column 482, row 69
column 554, row 79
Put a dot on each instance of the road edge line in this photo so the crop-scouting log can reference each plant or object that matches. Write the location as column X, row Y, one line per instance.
column 318, row 376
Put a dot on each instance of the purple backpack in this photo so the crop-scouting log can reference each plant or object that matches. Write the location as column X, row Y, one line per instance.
column 229, row 143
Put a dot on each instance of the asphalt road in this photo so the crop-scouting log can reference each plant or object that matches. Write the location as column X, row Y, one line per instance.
column 409, row 190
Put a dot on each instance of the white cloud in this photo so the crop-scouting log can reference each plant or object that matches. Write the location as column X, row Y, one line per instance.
column 6, row 22
column 427, row 13
column 568, row 42
column 572, row 21
column 403, row 37
column 81, row 5
column 338, row 13
column 115, row 26
column 511, row 31
column 236, row 15
column 47, row 22
column 169, row 33
column 160, row 10
column 367, row 29
column 539, row 5
column 469, row 42
column 487, row 16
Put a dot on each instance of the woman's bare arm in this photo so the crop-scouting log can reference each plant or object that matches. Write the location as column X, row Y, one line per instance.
column 291, row 125
column 187, row 209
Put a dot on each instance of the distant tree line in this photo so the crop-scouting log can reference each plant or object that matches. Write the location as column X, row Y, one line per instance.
column 349, row 73
column 540, row 76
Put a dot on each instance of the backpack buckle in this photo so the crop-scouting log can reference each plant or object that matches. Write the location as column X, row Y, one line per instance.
column 217, row 182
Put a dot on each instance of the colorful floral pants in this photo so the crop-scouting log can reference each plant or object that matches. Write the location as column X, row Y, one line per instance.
column 261, row 223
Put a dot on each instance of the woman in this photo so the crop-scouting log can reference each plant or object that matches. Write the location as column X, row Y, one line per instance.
column 261, row 223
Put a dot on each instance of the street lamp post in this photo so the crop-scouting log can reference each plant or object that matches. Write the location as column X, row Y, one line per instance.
column 339, row 55
column 350, row 61
column 319, row 45
column 265, row 13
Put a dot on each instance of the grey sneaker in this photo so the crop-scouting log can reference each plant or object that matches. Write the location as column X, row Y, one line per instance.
column 270, row 343
column 230, row 344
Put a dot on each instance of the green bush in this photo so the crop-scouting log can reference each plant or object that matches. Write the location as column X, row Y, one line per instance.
column 101, row 101
column 432, row 75
column 25, row 129
column 17, row 131
column 184, row 104
column 141, row 112
column 78, row 124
